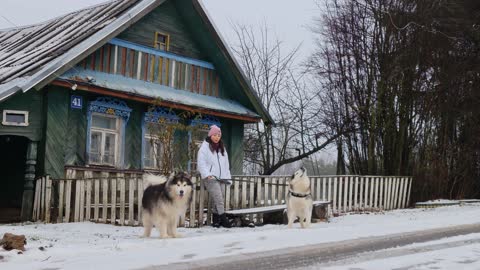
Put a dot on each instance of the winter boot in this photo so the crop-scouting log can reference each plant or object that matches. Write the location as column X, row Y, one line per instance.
column 224, row 222
column 216, row 221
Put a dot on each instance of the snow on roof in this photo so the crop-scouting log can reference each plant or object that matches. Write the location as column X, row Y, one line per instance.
column 38, row 53
column 25, row 50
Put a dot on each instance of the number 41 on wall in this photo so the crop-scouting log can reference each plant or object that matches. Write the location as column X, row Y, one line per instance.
column 76, row 102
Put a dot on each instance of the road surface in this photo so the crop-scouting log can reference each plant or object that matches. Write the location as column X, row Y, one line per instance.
column 331, row 254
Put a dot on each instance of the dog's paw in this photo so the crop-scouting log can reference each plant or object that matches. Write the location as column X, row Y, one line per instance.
column 177, row 235
column 165, row 236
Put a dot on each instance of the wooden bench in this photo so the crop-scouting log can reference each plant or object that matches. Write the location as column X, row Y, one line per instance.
column 318, row 207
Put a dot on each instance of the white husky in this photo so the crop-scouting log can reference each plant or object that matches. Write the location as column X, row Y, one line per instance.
column 299, row 199
column 165, row 202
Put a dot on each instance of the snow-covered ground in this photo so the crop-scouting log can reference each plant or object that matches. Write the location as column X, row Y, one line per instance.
column 99, row 246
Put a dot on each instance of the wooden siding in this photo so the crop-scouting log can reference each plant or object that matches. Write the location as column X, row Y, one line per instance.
column 236, row 147
column 33, row 103
column 165, row 19
column 133, row 137
column 137, row 62
column 77, row 132
column 56, row 131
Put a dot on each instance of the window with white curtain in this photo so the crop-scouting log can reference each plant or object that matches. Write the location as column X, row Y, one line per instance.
column 153, row 152
column 158, row 141
column 104, row 139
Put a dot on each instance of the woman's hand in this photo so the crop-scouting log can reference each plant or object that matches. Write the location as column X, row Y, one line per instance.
column 210, row 177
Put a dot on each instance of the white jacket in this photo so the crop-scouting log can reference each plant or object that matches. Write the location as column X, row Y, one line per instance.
column 213, row 163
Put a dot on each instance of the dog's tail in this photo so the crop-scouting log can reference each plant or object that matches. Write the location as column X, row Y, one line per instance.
column 151, row 179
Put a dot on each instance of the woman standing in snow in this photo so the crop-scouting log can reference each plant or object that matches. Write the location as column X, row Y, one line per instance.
column 214, row 168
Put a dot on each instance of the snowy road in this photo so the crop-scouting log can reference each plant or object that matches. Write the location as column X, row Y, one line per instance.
column 363, row 253
column 450, row 253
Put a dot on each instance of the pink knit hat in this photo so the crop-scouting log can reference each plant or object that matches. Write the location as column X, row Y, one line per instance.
column 214, row 130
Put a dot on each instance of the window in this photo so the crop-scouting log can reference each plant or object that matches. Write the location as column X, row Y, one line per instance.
column 153, row 150
column 158, row 146
column 107, row 118
column 15, row 118
column 162, row 41
column 104, row 139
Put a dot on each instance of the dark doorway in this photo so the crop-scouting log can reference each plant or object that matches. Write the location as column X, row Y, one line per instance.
column 13, row 152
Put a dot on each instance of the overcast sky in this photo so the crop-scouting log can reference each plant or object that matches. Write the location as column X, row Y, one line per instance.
column 287, row 19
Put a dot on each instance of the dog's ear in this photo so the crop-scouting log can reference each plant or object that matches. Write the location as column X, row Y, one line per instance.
column 194, row 178
column 171, row 177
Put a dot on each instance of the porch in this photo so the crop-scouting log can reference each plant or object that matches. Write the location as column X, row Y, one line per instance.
column 110, row 196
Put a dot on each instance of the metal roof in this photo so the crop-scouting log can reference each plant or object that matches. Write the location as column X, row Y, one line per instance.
column 155, row 91
column 38, row 53
column 24, row 50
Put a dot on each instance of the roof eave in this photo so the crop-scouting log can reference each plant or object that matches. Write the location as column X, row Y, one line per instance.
column 144, row 99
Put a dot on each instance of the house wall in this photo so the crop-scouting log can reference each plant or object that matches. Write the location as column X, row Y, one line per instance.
column 66, row 135
column 166, row 19
column 57, row 134
column 235, row 142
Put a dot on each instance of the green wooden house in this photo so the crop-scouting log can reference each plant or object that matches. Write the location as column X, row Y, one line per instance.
column 81, row 90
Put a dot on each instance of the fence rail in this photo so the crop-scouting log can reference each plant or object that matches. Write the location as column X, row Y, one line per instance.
column 115, row 197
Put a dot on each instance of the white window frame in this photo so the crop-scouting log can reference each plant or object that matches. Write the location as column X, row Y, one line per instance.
column 6, row 123
column 148, row 138
column 104, row 131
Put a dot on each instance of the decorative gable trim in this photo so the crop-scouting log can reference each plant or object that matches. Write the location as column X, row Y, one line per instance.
column 161, row 116
column 110, row 106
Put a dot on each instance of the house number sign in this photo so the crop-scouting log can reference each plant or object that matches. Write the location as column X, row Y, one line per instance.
column 76, row 102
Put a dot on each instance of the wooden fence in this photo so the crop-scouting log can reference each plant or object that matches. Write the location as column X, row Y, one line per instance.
column 116, row 197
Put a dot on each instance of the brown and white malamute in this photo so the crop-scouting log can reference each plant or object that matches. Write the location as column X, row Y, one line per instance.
column 163, row 204
column 299, row 199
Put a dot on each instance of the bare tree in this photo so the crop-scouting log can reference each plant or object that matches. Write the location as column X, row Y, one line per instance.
column 399, row 73
column 299, row 129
